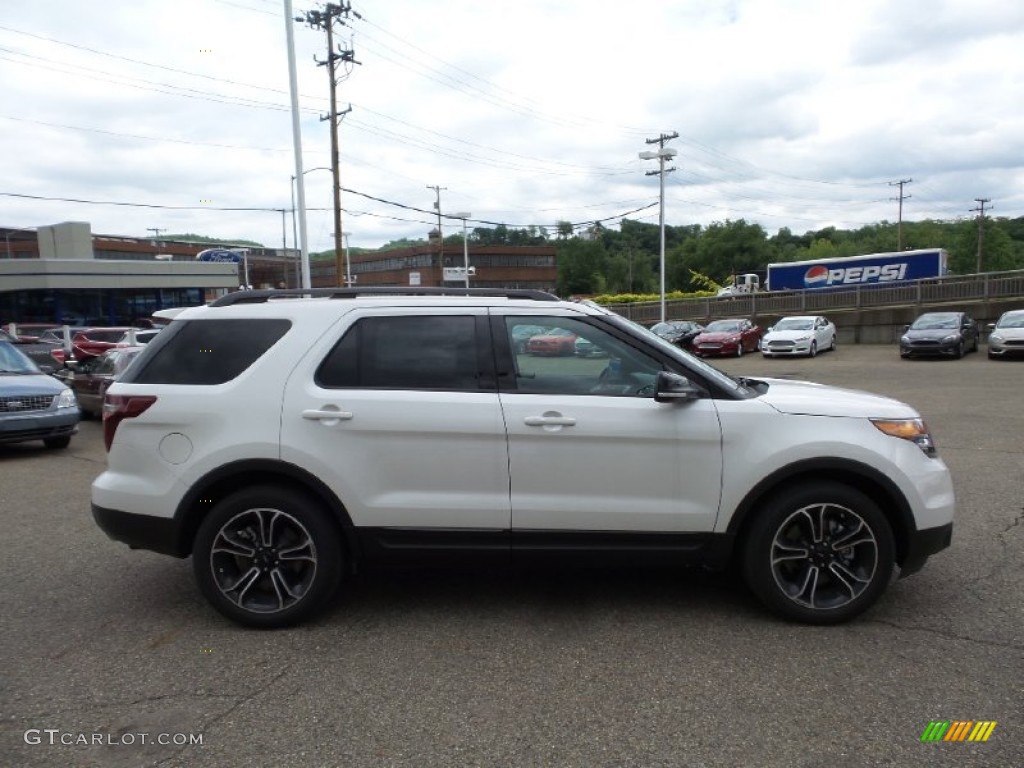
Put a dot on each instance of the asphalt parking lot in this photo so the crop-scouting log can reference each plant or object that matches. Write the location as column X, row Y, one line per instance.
column 542, row 669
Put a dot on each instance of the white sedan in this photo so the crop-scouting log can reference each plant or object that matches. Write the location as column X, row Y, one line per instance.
column 799, row 335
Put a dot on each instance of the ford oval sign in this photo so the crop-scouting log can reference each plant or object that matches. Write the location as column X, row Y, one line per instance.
column 219, row 254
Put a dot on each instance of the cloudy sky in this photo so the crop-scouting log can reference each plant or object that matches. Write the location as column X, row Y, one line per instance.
column 790, row 113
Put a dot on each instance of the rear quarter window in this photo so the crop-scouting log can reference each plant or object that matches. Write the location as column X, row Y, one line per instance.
column 205, row 351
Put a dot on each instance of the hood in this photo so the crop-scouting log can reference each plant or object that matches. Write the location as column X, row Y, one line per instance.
column 931, row 333
column 1010, row 333
column 15, row 385
column 718, row 336
column 808, row 398
column 787, row 335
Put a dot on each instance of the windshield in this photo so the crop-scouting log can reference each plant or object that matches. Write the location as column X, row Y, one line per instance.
column 723, row 326
column 13, row 360
column 794, row 324
column 936, row 321
column 1011, row 320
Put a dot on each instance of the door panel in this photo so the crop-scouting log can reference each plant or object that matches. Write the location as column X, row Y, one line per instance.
column 590, row 449
column 398, row 455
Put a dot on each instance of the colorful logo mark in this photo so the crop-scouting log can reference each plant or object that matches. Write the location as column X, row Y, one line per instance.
column 816, row 276
column 958, row 730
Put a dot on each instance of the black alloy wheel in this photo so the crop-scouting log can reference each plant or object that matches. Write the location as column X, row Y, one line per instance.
column 267, row 556
column 819, row 553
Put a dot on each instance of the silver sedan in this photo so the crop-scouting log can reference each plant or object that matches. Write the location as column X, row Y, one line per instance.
column 799, row 335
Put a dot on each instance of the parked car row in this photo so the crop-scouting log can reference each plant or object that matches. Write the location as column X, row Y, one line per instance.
column 938, row 334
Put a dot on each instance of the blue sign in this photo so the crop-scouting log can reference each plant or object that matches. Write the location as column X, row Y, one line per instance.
column 219, row 254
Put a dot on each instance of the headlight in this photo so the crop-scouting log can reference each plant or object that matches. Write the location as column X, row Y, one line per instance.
column 805, row 337
column 904, row 339
column 914, row 430
column 996, row 338
column 66, row 399
column 953, row 337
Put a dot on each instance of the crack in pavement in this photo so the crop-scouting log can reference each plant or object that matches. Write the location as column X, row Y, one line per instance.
column 947, row 635
column 204, row 727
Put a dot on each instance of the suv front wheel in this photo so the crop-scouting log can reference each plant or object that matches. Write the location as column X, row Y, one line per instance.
column 267, row 556
column 819, row 553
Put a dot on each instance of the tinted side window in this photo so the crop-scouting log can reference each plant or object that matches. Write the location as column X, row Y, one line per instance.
column 426, row 352
column 205, row 351
column 569, row 357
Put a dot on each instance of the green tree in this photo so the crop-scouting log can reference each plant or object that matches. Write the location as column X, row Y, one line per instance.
column 582, row 266
column 997, row 250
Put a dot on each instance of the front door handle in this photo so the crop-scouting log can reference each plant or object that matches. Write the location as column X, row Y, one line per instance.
column 550, row 420
column 327, row 415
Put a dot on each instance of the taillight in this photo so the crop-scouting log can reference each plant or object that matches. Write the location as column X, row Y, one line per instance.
column 58, row 355
column 116, row 408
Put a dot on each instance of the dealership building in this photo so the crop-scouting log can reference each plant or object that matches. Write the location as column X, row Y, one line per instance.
column 65, row 274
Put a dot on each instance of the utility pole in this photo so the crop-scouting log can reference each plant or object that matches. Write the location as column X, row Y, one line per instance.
column 156, row 232
column 981, row 201
column 334, row 13
column 901, row 198
column 661, row 155
column 440, row 234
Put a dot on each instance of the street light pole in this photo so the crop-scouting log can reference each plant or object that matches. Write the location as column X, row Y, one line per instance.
column 663, row 153
column 465, row 244
column 348, row 263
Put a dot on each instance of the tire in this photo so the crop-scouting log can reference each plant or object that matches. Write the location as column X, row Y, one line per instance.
column 959, row 350
column 240, row 562
column 819, row 582
column 739, row 349
column 57, row 443
column 814, row 349
column 832, row 345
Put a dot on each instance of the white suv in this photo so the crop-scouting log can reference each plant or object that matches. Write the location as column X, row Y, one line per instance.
column 283, row 438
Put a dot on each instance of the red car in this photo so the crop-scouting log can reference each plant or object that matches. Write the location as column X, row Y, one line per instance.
column 727, row 337
column 92, row 342
column 90, row 380
column 558, row 341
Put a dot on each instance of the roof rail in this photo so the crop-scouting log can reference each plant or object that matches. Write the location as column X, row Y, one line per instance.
column 261, row 296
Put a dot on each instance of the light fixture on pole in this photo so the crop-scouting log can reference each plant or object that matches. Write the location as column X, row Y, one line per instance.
column 661, row 155
column 465, row 243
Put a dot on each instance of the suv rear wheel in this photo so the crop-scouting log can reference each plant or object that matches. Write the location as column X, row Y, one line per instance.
column 267, row 556
column 819, row 553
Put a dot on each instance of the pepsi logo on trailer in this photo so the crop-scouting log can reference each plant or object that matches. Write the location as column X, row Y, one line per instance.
column 873, row 273
column 816, row 276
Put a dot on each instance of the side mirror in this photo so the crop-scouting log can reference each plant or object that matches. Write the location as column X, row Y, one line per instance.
column 906, row 328
column 769, row 329
column 991, row 326
column 672, row 388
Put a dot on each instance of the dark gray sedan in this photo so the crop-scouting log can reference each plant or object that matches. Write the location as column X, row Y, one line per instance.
column 949, row 334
